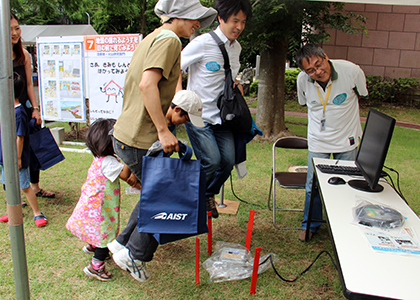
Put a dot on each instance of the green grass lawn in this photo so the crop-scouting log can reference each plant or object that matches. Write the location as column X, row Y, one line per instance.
column 55, row 258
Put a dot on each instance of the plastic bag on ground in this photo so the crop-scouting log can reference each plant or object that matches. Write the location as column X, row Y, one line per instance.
column 233, row 262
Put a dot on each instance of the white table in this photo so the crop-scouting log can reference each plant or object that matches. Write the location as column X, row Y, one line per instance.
column 364, row 273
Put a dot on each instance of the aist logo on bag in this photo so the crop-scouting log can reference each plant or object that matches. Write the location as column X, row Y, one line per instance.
column 170, row 216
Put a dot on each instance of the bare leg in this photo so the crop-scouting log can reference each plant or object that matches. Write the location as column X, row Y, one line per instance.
column 35, row 187
column 30, row 196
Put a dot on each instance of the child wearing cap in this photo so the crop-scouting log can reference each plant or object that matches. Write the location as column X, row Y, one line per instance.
column 186, row 106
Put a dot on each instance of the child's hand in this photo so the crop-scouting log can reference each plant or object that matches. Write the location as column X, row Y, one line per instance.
column 132, row 180
column 19, row 163
column 137, row 186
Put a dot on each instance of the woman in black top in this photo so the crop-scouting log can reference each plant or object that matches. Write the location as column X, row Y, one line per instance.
column 22, row 65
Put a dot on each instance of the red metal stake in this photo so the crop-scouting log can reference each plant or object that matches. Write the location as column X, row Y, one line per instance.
column 197, row 261
column 255, row 271
column 249, row 231
column 210, row 234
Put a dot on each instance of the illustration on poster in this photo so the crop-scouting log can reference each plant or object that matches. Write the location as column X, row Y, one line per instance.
column 112, row 89
column 71, row 110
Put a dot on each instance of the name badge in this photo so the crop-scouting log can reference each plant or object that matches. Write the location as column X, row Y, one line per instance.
column 323, row 124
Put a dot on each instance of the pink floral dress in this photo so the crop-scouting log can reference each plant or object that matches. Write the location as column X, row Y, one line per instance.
column 96, row 217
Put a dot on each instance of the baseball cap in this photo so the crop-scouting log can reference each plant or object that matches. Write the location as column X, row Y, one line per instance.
column 185, row 9
column 191, row 103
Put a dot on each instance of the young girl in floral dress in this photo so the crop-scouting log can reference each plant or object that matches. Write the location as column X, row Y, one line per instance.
column 96, row 217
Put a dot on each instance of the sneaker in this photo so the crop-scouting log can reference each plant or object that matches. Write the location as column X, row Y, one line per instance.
column 89, row 249
column 115, row 247
column 135, row 267
column 101, row 274
column 41, row 220
column 302, row 235
column 211, row 206
column 4, row 219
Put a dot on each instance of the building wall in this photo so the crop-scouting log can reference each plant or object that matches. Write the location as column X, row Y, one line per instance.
column 392, row 47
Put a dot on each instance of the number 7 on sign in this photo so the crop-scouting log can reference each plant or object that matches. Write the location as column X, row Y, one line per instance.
column 90, row 44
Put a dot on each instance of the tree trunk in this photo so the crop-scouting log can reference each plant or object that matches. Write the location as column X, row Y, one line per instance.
column 143, row 20
column 270, row 105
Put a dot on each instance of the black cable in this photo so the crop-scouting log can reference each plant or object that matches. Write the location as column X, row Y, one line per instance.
column 397, row 188
column 306, row 270
column 233, row 192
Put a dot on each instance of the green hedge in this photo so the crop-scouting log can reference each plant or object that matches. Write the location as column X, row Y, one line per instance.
column 289, row 87
column 398, row 91
column 253, row 88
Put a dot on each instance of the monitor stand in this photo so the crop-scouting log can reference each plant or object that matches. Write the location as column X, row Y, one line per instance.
column 362, row 185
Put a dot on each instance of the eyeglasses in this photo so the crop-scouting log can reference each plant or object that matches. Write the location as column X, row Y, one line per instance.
column 318, row 66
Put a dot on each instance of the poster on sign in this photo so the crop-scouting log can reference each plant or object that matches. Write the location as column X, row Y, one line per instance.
column 107, row 60
column 61, row 77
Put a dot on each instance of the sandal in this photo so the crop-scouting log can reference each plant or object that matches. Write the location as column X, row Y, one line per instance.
column 101, row 274
column 41, row 220
column 45, row 194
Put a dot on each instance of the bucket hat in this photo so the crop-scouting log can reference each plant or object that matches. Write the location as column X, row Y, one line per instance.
column 185, row 9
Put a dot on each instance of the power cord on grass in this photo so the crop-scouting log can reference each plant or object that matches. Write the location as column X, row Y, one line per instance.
column 306, row 270
column 234, row 194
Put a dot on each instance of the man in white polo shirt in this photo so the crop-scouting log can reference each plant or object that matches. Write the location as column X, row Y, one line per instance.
column 331, row 90
column 214, row 144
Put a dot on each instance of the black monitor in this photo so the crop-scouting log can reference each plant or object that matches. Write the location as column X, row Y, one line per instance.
column 372, row 150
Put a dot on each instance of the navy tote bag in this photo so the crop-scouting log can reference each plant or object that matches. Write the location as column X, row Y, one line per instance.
column 172, row 200
column 45, row 152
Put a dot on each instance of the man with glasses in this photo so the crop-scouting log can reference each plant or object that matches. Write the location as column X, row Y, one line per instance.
column 331, row 90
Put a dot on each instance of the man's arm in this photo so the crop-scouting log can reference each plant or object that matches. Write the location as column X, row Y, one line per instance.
column 240, row 87
column 151, row 97
column 179, row 83
column 300, row 92
column 360, row 84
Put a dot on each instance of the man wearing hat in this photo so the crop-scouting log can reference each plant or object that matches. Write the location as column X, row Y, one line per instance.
column 214, row 144
column 148, row 91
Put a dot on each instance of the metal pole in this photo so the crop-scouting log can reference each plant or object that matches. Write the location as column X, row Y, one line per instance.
column 222, row 196
column 257, row 67
column 10, row 164
column 88, row 17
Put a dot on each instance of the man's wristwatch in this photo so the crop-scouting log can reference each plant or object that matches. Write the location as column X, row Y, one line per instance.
column 36, row 107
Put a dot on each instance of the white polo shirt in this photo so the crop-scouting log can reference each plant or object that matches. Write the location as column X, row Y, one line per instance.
column 342, row 120
column 204, row 61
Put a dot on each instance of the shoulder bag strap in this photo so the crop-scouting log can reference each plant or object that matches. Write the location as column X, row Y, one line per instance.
column 222, row 48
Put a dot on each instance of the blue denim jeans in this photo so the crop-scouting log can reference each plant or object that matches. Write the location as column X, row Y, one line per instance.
column 214, row 145
column 132, row 157
column 317, row 204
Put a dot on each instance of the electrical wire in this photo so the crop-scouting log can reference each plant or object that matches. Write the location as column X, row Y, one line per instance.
column 397, row 188
column 234, row 194
column 302, row 273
